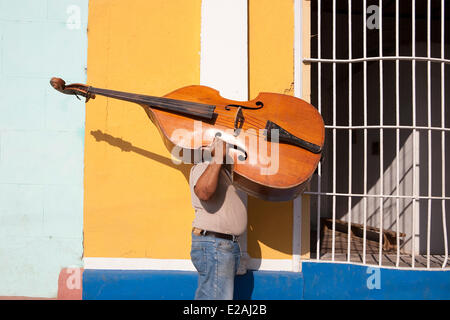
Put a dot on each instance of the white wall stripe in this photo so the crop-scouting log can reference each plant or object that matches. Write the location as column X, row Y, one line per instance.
column 138, row 264
column 175, row 264
column 224, row 47
column 270, row 264
column 298, row 56
column 297, row 235
column 298, row 92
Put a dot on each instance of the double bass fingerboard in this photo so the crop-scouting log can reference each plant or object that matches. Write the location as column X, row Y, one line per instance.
column 200, row 110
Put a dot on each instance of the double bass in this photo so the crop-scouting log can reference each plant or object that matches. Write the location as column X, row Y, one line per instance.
column 275, row 140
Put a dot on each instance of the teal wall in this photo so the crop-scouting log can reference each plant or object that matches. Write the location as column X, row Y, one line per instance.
column 41, row 143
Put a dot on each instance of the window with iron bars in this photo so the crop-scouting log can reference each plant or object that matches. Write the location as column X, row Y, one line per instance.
column 380, row 73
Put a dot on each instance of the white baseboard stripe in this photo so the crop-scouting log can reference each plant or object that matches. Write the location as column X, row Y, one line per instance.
column 175, row 264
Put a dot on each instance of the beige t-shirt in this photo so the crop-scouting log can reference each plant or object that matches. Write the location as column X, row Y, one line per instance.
column 225, row 211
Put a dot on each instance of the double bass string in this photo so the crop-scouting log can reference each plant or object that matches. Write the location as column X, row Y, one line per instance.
column 257, row 132
column 199, row 107
column 195, row 107
column 223, row 114
column 251, row 119
column 228, row 125
column 251, row 122
column 224, row 119
column 182, row 105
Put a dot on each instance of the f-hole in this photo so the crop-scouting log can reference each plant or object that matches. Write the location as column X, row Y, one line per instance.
column 238, row 122
column 259, row 104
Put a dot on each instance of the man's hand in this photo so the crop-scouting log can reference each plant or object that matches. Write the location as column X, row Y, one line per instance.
column 207, row 183
column 219, row 150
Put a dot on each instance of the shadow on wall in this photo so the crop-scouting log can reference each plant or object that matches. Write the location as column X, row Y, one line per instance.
column 243, row 286
column 127, row 146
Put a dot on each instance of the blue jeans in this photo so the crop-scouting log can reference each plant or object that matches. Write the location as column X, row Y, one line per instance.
column 216, row 261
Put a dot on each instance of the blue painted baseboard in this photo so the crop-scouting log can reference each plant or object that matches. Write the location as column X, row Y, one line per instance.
column 323, row 281
column 331, row 281
column 181, row 285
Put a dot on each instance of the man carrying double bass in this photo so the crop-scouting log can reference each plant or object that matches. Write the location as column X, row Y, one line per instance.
column 220, row 217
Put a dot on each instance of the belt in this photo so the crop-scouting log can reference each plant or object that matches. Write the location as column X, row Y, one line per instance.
column 201, row 232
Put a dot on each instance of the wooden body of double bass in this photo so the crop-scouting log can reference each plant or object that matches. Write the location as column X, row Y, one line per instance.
column 254, row 175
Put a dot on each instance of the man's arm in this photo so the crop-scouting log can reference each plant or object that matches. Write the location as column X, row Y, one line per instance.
column 207, row 183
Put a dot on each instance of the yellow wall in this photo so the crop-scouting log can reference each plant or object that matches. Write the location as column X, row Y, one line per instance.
column 137, row 203
column 271, row 69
